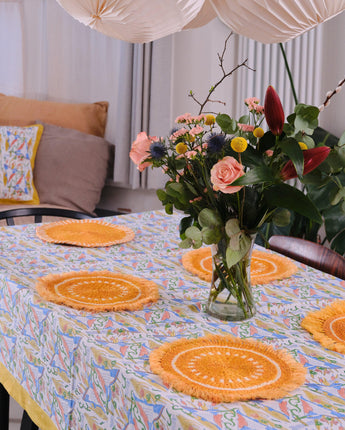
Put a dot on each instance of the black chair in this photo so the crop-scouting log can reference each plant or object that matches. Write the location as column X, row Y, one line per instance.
column 310, row 253
column 37, row 213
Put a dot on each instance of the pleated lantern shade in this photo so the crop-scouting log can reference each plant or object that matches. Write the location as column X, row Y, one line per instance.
column 139, row 21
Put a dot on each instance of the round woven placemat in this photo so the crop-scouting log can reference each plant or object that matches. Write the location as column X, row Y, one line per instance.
column 98, row 291
column 227, row 369
column 265, row 267
column 85, row 233
column 327, row 325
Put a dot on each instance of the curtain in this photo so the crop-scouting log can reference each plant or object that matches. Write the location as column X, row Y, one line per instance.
column 51, row 56
column 11, row 41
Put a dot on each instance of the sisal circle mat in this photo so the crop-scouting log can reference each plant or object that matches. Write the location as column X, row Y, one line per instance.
column 227, row 369
column 327, row 326
column 265, row 267
column 86, row 233
column 98, row 291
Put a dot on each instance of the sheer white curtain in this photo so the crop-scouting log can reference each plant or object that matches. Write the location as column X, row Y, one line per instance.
column 11, row 41
column 46, row 54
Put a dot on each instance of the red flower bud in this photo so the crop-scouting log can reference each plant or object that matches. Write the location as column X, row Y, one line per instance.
column 274, row 111
column 312, row 158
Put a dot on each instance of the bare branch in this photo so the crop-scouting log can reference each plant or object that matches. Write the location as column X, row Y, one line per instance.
column 330, row 94
column 225, row 75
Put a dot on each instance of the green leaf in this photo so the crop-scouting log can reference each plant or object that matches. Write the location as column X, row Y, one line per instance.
column 342, row 140
column 162, row 195
column 267, row 141
column 186, row 243
column 256, row 175
column 338, row 197
column 180, row 163
column 281, row 217
column 286, row 196
column 211, row 235
column 175, row 189
column 244, row 119
column 169, row 208
column 184, row 224
column 227, row 124
column 234, row 256
column 232, row 227
column 209, row 218
column 252, row 157
column 306, row 118
column 291, row 148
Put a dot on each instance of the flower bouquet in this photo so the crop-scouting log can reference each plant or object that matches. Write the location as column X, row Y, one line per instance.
column 230, row 177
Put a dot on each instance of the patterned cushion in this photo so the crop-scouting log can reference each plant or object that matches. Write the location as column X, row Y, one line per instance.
column 18, row 146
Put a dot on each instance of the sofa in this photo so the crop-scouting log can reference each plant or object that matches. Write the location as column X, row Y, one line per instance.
column 53, row 154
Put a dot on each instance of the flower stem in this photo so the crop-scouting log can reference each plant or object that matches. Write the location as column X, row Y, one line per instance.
column 289, row 73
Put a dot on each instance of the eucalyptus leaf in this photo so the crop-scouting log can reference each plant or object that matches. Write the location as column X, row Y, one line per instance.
column 162, row 195
column 184, row 224
column 169, row 208
column 227, row 124
column 234, row 256
column 193, row 233
column 342, row 140
column 186, row 243
column 210, row 235
column 209, row 218
column 232, row 227
column 234, row 242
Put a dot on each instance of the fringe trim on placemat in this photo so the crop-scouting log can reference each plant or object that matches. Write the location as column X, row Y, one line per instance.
column 98, row 291
column 327, row 326
column 227, row 369
column 265, row 267
column 86, row 233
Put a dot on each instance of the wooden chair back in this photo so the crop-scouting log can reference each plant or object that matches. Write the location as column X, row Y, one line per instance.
column 310, row 253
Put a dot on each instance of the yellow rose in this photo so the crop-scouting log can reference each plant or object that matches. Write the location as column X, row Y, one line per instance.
column 239, row 144
column 258, row 132
column 181, row 148
column 302, row 145
column 210, row 119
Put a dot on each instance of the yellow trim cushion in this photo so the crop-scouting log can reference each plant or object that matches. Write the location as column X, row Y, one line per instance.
column 18, row 148
column 22, row 397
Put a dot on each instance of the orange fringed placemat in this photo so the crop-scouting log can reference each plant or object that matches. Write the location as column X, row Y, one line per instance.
column 227, row 369
column 265, row 267
column 98, row 291
column 85, row 233
column 327, row 326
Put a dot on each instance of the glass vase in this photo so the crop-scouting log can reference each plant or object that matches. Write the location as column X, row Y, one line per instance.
column 231, row 296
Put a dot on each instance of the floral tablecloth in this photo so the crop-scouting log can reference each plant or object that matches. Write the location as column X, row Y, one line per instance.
column 91, row 371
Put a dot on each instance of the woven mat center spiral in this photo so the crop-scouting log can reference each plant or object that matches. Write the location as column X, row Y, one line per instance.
column 265, row 267
column 328, row 325
column 225, row 369
column 98, row 291
column 85, row 233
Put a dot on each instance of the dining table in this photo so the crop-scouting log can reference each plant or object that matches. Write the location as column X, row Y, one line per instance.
column 82, row 369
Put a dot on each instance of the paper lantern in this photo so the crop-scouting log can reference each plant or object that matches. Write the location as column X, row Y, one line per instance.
column 272, row 21
column 267, row 21
column 139, row 21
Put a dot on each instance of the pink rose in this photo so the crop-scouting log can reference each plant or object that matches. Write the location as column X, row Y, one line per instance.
column 224, row 173
column 140, row 150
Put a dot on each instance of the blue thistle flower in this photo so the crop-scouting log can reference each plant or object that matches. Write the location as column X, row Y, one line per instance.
column 157, row 150
column 215, row 143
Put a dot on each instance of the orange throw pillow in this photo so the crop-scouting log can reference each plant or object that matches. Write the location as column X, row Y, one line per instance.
column 90, row 118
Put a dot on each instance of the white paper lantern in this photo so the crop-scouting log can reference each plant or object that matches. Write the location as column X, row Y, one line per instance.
column 267, row 21
column 271, row 21
column 138, row 20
